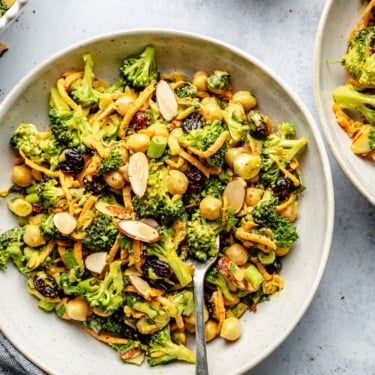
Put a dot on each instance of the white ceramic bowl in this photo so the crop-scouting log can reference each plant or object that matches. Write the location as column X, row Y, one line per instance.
column 339, row 17
column 12, row 13
column 61, row 348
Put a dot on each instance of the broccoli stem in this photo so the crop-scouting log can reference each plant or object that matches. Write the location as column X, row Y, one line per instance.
column 157, row 146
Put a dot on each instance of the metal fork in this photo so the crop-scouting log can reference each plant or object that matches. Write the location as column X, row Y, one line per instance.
column 201, row 367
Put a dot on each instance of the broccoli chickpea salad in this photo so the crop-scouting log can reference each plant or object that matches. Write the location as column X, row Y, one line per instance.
column 354, row 102
column 134, row 178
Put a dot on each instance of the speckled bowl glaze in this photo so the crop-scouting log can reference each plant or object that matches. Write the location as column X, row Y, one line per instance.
column 62, row 348
column 11, row 14
column 337, row 20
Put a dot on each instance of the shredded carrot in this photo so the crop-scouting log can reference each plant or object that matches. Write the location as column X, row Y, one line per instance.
column 38, row 167
column 135, row 106
column 86, row 215
column 261, row 268
column 256, row 238
column 77, row 248
column 105, row 338
column 68, row 195
column 213, row 149
column 197, row 163
column 113, row 251
column 64, row 95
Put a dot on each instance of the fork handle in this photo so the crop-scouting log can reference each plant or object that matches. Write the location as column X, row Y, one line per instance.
column 201, row 367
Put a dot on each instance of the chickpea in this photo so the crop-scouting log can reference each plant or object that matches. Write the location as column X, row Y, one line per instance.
column 114, row 179
column 138, row 142
column 77, row 309
column 291, row 212
column 177, row 132
column 245, row 98
column 210, row 109
column 177, row 182
column 253, row 196
column 247, row 165
column 236, row 108
column 231, row 329
column 210, row 207
column 210, row 329
column 232, row 153
column 200, row 80
column 22, row 175
column 32, row 236
column 237, row 253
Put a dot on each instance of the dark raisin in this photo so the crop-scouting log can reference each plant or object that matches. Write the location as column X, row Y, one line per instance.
column 196, row 180
column 194, row 121
column 275, row 267
column 73, row 162
column 46, row 285
column 139, row 121
column 156, row 268
column 258, row 128
column 130, row 332
column 96, row 185
column 283, row 187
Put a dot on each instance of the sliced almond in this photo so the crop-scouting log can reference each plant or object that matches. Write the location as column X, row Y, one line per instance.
column 138, row 173
column 113, row 210
column 235, row 193
column 142, row 286
column 166, row 100
column 65, row 223
column 96, row 262
column 139, row 230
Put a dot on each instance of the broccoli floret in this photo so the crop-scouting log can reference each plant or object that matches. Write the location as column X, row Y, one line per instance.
column 237, row 129
column 215, row 277
column 141, row 305
column 11, row 248
column 101, row 234
column 113, row 161
column 201, row 236
column 166, row 250
column 202, row 138
column 48, row 228
column 69, row 126
column 218, row 82
column 187, row 90
column 279, row 149
column 359, row 59
column 347, row 97
column 184, row 302
column 51, row 195
column 37, row 146
column 106, row 294
column 82, row 91
column 138, row 72
column 265, row 215
column 163, row 350
column 157, row 203
column 70, row 278
column 215, row 185
column 112, row 324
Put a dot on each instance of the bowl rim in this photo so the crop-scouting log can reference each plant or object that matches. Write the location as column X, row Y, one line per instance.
column 15, row 92
column 317, row 61
column 11, row 14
